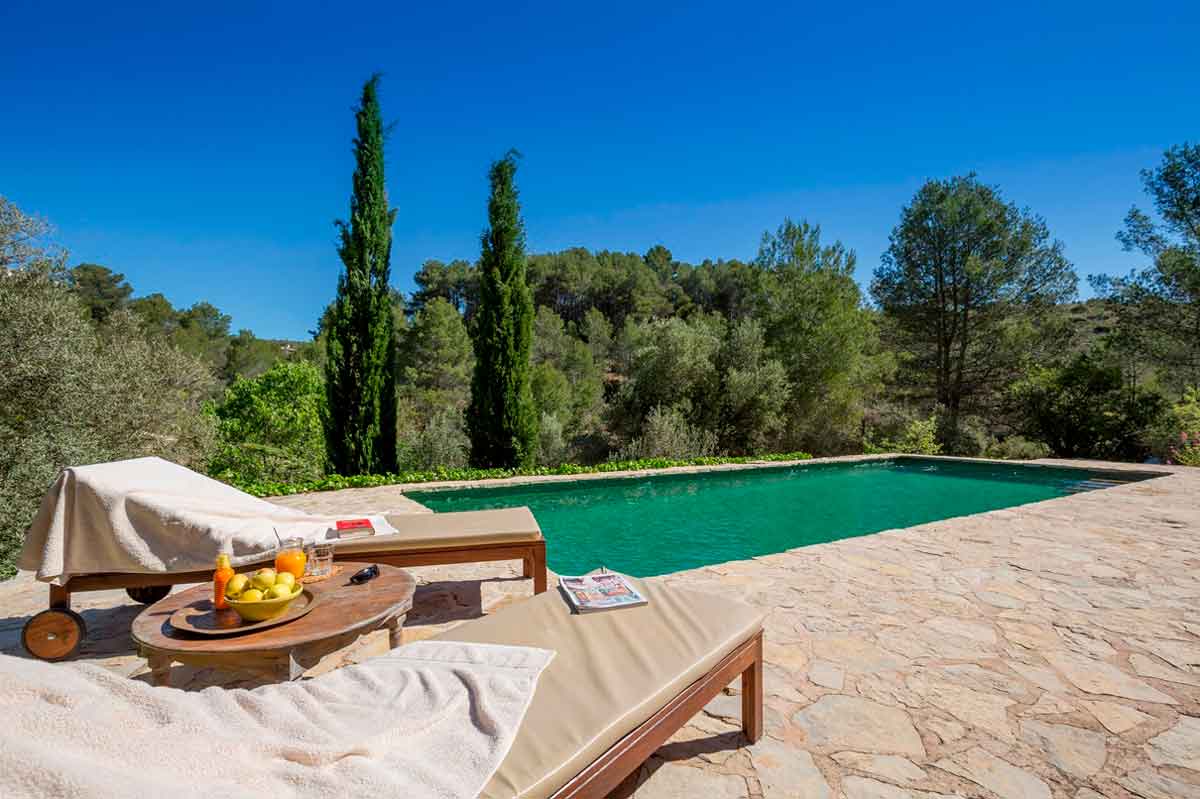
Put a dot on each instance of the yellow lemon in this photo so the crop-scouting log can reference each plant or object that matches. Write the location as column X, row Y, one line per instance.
column 279, row 592
column 263, row 579
column 237, row 584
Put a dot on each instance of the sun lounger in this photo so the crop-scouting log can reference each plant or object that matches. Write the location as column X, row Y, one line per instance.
column 147, row 524
column 426, row 539
column 622, row 683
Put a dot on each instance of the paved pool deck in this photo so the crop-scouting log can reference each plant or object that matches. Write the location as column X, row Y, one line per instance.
column 1047, row 650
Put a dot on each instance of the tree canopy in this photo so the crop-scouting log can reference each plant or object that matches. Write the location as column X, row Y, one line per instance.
column 1158, row 306
column 967, row 281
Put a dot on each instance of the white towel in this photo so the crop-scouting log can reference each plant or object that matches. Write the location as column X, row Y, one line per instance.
column 431, row 719
column 148, row 515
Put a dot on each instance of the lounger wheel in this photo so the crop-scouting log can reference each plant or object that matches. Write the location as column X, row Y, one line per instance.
column 148, row 594
column 54, row 634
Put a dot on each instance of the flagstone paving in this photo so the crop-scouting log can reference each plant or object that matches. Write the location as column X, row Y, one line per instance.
column 1049, row 650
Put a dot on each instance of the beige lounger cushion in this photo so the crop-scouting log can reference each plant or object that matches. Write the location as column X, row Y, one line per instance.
column 613, row 670
column 444, row 530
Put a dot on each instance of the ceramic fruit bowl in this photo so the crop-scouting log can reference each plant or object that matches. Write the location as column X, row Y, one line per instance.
column 264, row 609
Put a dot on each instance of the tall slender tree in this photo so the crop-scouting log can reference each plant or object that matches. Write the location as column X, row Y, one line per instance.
column 501, row 419
column 360, row 421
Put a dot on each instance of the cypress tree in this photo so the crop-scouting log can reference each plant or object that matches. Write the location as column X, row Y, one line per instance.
column 360, row 421
column 501, row 419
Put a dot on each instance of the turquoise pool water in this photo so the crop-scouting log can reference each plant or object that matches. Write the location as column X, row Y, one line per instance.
column 652, row 525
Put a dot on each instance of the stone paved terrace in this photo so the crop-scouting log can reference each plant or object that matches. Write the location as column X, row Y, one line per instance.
column 1047, row 650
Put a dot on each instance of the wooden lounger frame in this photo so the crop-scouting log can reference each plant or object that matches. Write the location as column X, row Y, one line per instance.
column 626, row 755
column 532, row 554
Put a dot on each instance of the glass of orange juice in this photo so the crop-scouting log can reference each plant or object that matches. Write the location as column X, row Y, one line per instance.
column 291, row 557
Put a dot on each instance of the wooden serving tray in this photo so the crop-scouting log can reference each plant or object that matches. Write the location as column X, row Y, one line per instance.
column 201, row 618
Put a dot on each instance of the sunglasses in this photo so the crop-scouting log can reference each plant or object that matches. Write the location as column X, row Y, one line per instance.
column 364, row 575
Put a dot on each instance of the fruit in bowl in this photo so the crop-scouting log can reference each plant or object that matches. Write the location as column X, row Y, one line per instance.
column 263, row 579
column 262, row 595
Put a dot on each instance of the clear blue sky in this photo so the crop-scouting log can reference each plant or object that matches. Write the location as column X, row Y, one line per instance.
column 204, row 149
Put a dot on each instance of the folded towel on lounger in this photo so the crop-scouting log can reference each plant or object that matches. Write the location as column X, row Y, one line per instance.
column 148, row 515
column 430, row 719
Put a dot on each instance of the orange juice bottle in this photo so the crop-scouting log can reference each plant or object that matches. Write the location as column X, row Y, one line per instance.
column 221, row 578
column 291, row 558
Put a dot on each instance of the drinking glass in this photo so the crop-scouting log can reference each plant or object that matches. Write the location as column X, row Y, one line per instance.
column 291, row 557
column 320, row 560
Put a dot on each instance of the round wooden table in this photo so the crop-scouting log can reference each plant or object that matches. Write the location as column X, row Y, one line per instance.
column 343, row 613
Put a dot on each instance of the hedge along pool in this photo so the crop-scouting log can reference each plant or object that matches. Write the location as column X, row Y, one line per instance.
column 669, row 522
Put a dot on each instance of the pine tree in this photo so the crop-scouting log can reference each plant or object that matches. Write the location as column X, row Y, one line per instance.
column 360, row 423
column 501, row 419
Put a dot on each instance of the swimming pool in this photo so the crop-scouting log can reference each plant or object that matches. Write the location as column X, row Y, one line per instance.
column 664, row 523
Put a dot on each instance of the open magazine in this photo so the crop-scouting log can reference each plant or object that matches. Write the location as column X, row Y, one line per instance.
column 604, row 591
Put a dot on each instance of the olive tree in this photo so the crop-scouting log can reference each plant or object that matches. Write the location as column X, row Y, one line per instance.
column 75, row 394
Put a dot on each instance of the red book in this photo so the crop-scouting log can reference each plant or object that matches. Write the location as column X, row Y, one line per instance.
column 355, row 528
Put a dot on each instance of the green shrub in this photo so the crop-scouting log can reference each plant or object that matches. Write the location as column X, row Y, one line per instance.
column 335, row 482
column 269, row 427
column 441, row 442
column 1086, row 410
column 1181, row 420
column 919, row 437
column 667, row 434
column 552, row 446
column 970, row 440
column 1017, row 448
column 1187, row 452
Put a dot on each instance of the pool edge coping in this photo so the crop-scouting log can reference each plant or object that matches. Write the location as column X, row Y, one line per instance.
column 1142, row 470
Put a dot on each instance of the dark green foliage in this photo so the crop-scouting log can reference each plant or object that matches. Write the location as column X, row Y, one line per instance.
column 700, row 376
column 919, row 437
column 456, row 283
column 597, row 332
column 967, row 282
column 1086, row 410
column 666, row 433
column 102, row 290
column 269, row 427
column 155, row 314
column 730, row 288
column 435, row 363
column 436, row 357
column 1017, row 448
column 360, row 421
column 1158, row 307
column 619, row 285
column 562, row 359
column 755, row 391
column 501, row 420
column 203, row 331
column 248, row 356
column 673, row 367
column 812, row 312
